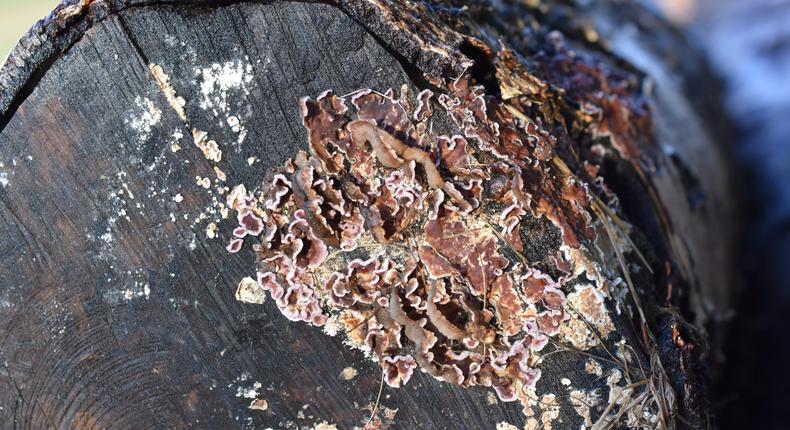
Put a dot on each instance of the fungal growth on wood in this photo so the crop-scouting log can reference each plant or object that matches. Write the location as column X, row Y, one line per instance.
column 412, row 242
column 469, row 231
column 508, row 208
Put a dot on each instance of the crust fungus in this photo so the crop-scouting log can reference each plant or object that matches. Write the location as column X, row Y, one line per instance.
column 412, row 241
column 398, row 369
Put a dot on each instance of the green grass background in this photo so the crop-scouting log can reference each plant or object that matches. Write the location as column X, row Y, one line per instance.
column 16, row 17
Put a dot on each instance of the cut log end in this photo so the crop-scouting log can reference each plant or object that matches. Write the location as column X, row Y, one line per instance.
column 384, row 189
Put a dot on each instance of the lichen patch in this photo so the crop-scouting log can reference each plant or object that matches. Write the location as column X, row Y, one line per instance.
column 593, row 367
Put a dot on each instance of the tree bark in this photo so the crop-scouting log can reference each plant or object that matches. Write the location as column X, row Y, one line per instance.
column 117, row 302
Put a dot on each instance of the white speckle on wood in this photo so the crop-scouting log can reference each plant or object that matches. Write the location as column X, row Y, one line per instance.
column 211, row 231
column 248, row 392
column 221, row 82
column 144, row 117
column 106, row 237
column 333, row 326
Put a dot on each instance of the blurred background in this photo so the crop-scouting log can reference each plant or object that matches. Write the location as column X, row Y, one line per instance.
column 747, row 42
column 16, row 16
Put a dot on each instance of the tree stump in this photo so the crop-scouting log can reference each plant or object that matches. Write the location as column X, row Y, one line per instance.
column 125, row 125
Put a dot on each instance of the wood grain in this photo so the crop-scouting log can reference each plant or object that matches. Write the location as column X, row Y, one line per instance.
column 76, row 352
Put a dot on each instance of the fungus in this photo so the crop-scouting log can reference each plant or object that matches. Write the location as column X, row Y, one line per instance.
column 324, row 118
column 268, row 282
column 398, row 369
column 457, row 158
column 279, row 189
column 209, row 148
column 588, row 310
column 412, row 243
column 445, row 327
column 308, row 250
column 235, row 245
column 300, row 303
column 235, row 196
column 249, row 223
column 423, row 110
column 259, row 405
column 391, row 152
column 360, row 283
column 436, row 265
